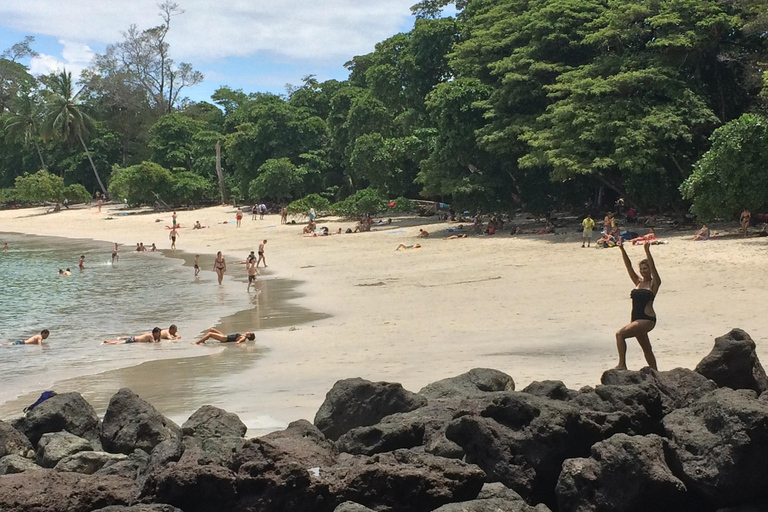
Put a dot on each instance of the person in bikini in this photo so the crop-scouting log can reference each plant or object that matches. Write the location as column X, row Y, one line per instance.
column 37, row 339
column 219, row 266
column 643, row 318
column 239, row 217
column 745, row 219
column 215, row 334
column 150, row 337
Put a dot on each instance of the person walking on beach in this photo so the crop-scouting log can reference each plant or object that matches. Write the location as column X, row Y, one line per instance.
column 745, row 219
column 643, row 318
column 150, row 337
column 197, row 264
column 115, row 256
column 215, row 334
column 261, row 254
column 250, row 267
column 172, row 235
column 99, row 203
column 37, row 339
column 81, row 263
column 219, row 266
column 239, row 216
column 254, row 211
column 284, row 215
column 173, row 219
column 586, row 234
column 262, row 211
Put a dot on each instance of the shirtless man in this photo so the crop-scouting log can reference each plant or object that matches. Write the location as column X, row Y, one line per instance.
column 81, row 263
column 197, row 265
column 250, row 267
column 171, row 333
column 215, row 334
column 261, row 254
column 173, row 219
column 173, row 235
column 150, row 337
column 423, row 234
column 115, row 256
column 37, row 339
column 745, row 219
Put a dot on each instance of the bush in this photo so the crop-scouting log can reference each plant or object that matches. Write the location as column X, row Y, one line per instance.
column 139, row 183
column 189, row 188
column 403, row 205
column 8, row 195
column 368, row 201
column 278, row 179
column 302, row 206
column 40, row 187
column 76, row 193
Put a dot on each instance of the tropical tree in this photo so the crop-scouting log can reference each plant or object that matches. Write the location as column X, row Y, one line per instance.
column 64, row 116
column 41, row 186
column 23, row 123
column 278, row 179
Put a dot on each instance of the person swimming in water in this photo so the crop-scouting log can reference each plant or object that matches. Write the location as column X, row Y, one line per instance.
column 81, row 263
column 215, row 334
column 643, row 318
column 150, row 337
column 37, row 339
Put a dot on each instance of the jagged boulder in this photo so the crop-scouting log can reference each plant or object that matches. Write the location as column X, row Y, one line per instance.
column 191, row 487
column 132, row 467
column 623, row 474
column 475, row 383
column 131, row 423
column 494, row 497
column 614, row 409
column 67, row 411
column 55, row 446
column 358, row 403
column 385, row 436
column 11, row 464
column 351, row 506
column 403, row 481
column 13, row 442
column 88, row 463
column 209, row 421
column 720, row 446
column 733, row 363
column 554, row 389
column 211, row 450
column 52, row 491
column 678, row 388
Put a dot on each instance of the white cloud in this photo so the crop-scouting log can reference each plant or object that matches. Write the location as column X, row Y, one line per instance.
column 321, row 30
column 76, row 57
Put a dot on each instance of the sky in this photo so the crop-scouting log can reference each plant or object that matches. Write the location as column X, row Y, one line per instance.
column 253, row 45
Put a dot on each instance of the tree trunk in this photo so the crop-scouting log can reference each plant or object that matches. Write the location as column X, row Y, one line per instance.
column 222, row 188
column 93, row 166
column 40, row 154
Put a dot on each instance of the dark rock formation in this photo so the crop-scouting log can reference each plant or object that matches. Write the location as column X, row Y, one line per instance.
column 132, row 467
column 554, row 389
column 52, row 491
column 211, row 450
column 358, row 403
column 494, row 497
column 351, row 506
column 132, row 423
column 475, row 383
column 55, row 446
column 733, row 363
column 88, row 463
column 191, row 487
column 382, row 437
column 720, row 447
column 67, row 411
column 623, row 474
column 13, row 442
column 209, row 421
column 140, row 508
column 11, row 464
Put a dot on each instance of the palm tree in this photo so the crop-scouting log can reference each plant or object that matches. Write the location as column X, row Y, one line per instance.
column 64, row 116
column 23, row 121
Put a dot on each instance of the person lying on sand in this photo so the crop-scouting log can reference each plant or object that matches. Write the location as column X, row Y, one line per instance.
column 37, row 339
column 150, row 337
column 215, row 334
column 454, row 237
column 702, row 234
column 403, row 247
column 171, row 333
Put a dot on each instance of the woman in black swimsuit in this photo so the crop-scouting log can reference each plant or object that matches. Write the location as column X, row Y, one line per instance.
column 219, row 266
column 643, row 317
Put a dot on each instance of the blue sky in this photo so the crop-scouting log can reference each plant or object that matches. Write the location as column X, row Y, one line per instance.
column 252, row 45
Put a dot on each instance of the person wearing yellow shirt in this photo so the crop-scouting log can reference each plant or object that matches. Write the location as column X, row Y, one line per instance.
column 586, row 235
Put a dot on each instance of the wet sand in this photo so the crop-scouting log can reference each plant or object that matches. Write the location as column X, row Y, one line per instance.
column 536, row 307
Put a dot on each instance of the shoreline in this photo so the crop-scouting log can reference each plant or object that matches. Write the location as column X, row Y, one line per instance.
column 535, row 307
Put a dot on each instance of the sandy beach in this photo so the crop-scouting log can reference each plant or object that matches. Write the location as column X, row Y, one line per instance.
column 535, row 307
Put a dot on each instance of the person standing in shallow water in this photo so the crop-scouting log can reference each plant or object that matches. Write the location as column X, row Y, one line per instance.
column 643, row 318
column 219, row 266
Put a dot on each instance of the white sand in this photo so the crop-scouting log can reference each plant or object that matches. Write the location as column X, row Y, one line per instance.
column 536, row 307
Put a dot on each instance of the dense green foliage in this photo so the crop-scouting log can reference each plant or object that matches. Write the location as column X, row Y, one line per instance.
column 39, row 187
column 733, row 174
column 505, row 104
column 303, row 205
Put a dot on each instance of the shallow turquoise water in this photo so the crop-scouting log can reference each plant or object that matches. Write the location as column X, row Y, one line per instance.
column 141, row 291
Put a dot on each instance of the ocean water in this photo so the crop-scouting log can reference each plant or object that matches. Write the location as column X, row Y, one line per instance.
column 104, row 301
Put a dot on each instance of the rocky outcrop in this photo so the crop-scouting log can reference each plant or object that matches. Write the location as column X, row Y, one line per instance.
column 733, row 363
column 720, row 446
column 209, row 421
column 192, row 487
column 554, row 389
column 54, row 491
column 494, row 497
column 57, row 445
column 130, row 423
column 13, row 442
column 67, row 411
column 11, row 464
column 623, row 474
column 89, row 463
column 358, row 403
column 473, row 384
column 140, row 508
